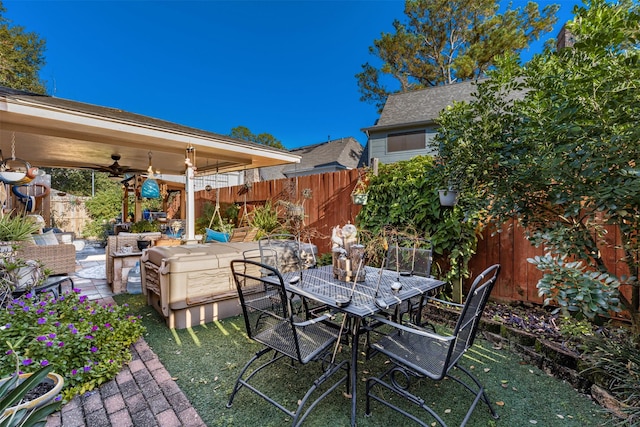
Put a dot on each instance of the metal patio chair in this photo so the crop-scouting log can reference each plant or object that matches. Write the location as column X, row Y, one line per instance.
column 281, row 251
column 416, row 353
column 269, row 321
column 410, row 257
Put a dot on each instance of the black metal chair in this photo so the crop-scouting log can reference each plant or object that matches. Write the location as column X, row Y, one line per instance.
column 281, row 251
column 269, row 320
column 417, row 353
column 408, row 257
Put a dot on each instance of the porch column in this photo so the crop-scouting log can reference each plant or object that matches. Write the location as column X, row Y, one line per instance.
column 190, row 190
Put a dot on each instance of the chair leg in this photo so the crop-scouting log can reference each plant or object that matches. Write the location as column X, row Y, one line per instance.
column 243, row 382
column 478, row 391
column 402, row 391
column 301, row 412
column 300, row 416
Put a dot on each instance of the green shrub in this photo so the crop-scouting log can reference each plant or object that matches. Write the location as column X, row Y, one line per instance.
column 575, row 288
column 265, row 218
column 84, row 342
column 145, row 226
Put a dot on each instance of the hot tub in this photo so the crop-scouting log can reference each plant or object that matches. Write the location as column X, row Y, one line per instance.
column 192, row 284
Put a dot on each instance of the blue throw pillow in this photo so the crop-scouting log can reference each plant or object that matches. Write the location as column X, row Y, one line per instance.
column 217, row 236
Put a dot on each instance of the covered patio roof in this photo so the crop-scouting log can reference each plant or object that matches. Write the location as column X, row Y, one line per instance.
column 55, row 132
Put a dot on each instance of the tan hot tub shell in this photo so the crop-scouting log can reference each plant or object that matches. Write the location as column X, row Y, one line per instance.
column 192, row 284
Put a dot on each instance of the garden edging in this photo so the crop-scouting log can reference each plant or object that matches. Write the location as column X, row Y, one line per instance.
column 546, row 355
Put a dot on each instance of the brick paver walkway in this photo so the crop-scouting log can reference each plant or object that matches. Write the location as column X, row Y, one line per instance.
column 142, row 395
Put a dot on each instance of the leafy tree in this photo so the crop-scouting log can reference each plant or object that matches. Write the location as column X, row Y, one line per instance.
column 21, row 57
column 444, row 41
column 242, row 132
column 79, row 181
column 555, row 145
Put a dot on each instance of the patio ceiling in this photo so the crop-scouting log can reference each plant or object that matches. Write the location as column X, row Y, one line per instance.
column 55, row 132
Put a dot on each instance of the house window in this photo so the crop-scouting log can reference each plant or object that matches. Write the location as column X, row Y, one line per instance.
column 406, row 141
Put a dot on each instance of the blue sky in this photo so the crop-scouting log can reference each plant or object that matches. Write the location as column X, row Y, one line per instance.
column 282, row 67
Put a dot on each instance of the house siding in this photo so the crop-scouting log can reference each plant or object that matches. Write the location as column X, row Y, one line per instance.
column 378, row 145
column 415, row 110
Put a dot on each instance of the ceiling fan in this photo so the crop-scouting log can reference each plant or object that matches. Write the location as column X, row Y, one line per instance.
column 115, row 170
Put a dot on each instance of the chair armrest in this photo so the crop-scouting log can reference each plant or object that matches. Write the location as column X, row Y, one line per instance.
column 313, row 321
column 412, row 330
column 59, row 259
column 441, row 301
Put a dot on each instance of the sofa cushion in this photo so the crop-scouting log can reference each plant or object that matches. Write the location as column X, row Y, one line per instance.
column 45, row 239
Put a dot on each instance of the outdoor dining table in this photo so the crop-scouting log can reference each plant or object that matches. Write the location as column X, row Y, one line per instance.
column 319, row 285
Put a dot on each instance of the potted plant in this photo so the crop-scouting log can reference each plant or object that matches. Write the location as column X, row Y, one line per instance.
column 19, row 276
column 448, row 196
column 360, row 194
column 14, row 230
column 27, row 399
column 144, row 226
column 295, row 210
column 450, row 179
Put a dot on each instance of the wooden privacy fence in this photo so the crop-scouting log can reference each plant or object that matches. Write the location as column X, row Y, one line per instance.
column 330, row 205
column 518, row 278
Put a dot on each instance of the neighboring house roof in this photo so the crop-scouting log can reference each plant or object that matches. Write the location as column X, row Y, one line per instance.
column 421, row 107
column 330, row 156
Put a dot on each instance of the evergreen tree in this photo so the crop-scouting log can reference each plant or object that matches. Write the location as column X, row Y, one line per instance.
column 445, row 41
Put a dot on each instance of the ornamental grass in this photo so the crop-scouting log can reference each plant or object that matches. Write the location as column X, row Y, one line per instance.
column 85, row 342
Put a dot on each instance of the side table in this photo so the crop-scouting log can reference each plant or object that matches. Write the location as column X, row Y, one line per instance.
column 122, row 263
column 53, row 284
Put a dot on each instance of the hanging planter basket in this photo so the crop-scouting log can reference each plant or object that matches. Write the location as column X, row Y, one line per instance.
column 359, row 194
column 448, row 197
column 359, row 198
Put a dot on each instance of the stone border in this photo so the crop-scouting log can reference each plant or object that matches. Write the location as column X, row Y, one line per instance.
column 546, row 355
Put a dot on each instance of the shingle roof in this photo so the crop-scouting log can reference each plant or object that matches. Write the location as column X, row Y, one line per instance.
column 117, row 114
column 337, row 154
column 422, row 106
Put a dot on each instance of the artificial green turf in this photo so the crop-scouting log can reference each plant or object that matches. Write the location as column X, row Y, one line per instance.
column 206, row 360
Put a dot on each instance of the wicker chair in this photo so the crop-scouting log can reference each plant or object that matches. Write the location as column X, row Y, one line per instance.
column 116, row 243
column 60, row 259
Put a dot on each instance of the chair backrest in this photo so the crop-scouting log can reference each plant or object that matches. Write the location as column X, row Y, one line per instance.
column 412, row 256
column 264, row 303
column 267, row 314
column 286, row 249
column 467, row 325
column 263, row 256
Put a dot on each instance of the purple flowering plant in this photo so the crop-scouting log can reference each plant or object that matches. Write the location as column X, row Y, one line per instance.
column 83, row 341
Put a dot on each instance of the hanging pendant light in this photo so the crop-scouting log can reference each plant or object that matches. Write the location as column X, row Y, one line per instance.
column 150, row 188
